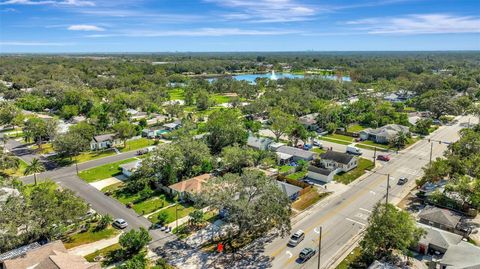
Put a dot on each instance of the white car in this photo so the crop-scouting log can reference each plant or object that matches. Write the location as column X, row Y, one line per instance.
column 120, row 223
column 296, row 238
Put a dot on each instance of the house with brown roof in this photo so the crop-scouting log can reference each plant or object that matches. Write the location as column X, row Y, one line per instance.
column 188, row 188
column 53, row 255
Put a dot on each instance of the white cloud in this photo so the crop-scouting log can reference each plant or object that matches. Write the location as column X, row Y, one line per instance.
column 267, row 10
column 77, row 3
column 85, row 27
column 33, row 43
column 419, row 24
column 212, row 32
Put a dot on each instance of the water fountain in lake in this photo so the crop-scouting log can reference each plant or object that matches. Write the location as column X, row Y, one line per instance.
column 273, row 76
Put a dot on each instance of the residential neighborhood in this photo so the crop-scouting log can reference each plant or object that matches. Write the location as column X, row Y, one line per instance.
column 239, row 134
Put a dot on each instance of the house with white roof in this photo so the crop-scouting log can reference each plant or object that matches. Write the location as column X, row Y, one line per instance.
column 384, row 134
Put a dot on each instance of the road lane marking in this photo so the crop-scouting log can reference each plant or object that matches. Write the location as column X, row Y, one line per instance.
column 372, row 193
column 289, row 254
column 366, row 210
column 361, row 216
column 316, row 230
column 363, row 224
column 342, row 206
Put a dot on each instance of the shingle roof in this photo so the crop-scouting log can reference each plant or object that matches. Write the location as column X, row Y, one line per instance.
column 438, row 215
column 105, row 137
column 296, row 152
column 438, row 237
column 319, row 170
column 51, row 255
column 462, row 256
column 258, row 142
column 131, row 165
column 192, row 185
column 288, row 189
column 338, row 157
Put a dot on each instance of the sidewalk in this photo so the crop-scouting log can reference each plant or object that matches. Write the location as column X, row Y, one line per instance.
column 86, row 249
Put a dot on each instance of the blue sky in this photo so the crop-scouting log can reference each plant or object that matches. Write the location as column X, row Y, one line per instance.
column 237, row 25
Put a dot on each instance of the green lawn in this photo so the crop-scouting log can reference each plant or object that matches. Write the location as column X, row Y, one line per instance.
column 137, row 144
column 346, row 178
column 340, row 137
column 355, row 128
column 341, row 142
column 104, row 171
column 17, row 172
column 310, row 198
column 152, row 204
column 45, row 149
column 371, row 143
column 183, row 210
column 350, row 259
column 284, row 168
column 176, row 94
column 297, row 175
column 220, row 99
column 318, row 150
column 92, row 155
column 156, row 201
column 102, row 252
column 113, row 187
column 90, row 236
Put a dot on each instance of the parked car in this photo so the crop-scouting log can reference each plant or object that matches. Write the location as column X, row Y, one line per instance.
column 385, row 158
column 317, row 143
column 307, row 147
column 402, row 180
column 306, row 254
column 296, row 238
column 120, row 223
column 353, row 150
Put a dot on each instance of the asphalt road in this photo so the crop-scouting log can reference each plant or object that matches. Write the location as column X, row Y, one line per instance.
column 67, row 178
column 346, row 215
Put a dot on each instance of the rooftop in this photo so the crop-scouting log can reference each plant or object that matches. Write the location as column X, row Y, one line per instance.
column 456, row 256
column 439, row 215
column 288, row 189
column 439, row 237
column 192, row 185
column 336, row 156
column 104, row 137
column 319, row 170
column 296, row 152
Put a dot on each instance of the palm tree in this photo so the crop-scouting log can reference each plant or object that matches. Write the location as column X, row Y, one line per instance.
column 8, row 161
column 35, row 167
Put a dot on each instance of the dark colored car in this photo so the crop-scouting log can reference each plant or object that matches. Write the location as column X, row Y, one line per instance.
column 306, row 254
column 402, row 180
column 385, row 158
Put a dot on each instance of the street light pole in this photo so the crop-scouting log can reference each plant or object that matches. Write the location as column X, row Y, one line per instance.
column 388, row 187
column 431, row 153
column 176, row 215
column 319, row 247
column 374, row 155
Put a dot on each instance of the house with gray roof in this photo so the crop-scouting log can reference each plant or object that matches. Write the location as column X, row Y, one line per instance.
column 320, row 173
column 309, row 121
column 129, row 168
column 290, row 190
column 440, row 218
column 384, row 134
column 436, row 240
column 260, row 143
column 340, row 161
column 296, row 154
column 461, row 256
column 105, row 141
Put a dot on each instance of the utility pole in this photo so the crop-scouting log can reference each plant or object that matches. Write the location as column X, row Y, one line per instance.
column 374, row 155
column 388, row 187
column 431, row 152
column 319, row 247
column 176, row 216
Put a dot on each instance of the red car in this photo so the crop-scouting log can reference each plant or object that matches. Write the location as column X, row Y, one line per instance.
column 385, row 158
